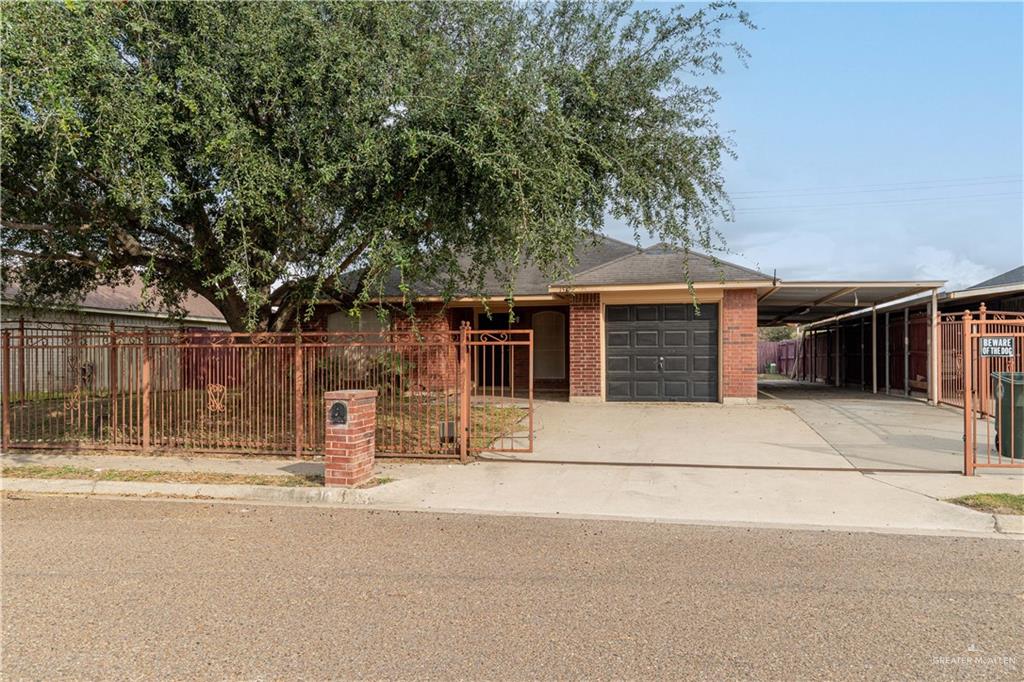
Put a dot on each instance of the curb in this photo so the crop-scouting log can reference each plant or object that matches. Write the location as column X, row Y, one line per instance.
column 1009, row 524
column 263, row 493
column 356, row 498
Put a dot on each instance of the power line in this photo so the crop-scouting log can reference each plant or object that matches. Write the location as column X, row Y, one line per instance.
column 886, row 189
column 883, row 187
column 895, row 202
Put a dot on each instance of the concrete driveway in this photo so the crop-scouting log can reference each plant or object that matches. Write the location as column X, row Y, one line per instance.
column 875, row 431
column 742, row 435
column 791, row 425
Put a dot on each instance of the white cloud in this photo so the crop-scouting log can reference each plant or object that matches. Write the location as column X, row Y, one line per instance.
column 934, row 263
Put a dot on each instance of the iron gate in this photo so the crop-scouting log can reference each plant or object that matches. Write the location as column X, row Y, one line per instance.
column 993, row 389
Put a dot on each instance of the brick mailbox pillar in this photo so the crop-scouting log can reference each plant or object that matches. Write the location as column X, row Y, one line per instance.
column 350, row 422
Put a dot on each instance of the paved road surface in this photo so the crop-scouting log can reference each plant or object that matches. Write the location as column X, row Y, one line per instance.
column 109, row 589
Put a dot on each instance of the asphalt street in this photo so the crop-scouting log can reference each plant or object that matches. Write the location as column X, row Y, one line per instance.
column 143, row 589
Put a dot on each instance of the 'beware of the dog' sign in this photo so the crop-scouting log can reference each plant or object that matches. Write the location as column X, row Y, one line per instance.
column 996, row 346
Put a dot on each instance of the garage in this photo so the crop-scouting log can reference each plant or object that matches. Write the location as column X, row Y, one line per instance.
column 661, row 352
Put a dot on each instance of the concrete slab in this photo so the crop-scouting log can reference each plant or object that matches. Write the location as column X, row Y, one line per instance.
column 876, row 431
column 748, row 435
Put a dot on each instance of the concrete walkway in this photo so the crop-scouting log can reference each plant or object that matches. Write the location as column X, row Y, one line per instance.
column 905, row 503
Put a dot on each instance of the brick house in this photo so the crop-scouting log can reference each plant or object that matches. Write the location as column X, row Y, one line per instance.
column 624, row 327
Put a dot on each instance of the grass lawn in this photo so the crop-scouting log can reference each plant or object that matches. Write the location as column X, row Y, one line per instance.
column 993, row 503
column 83, row 473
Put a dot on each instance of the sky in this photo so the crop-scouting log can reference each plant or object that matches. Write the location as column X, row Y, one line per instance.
column 876, row 141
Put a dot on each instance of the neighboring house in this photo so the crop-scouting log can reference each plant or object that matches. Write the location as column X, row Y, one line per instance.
column 123, row 305
column 1003, row 292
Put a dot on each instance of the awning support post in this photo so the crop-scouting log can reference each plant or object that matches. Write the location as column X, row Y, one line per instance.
column 874, row 349
column 863, row 379
column 887, row 364
column 906, row 351
column 935, row 370
column 838, row 351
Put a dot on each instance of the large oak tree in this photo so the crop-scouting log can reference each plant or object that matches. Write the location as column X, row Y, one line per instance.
column 259, row 154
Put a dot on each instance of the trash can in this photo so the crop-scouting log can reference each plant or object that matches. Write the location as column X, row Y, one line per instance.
column 1008, row 392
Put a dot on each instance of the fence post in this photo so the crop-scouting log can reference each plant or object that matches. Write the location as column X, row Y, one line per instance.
column 968, row 407
column 112, row 383
column 299, row 390
column 983, row 365
column 6, row 390
column 146, row 389
column 464, row 406
column 21, row 362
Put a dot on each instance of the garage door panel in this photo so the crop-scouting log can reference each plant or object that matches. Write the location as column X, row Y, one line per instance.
column 708, row 311
column 618, row 339
column 617, row 313
column 644, row 363
column 705, row 363
column 705, row 339
column 619, row 390
column 676, row 363
column 646, row 338
column 677, row 390
column 679, row 312
column 662, row 352
column 650, row 390
column 675, row 339
column 646, row 313
column 704, row 390
column 618, row 363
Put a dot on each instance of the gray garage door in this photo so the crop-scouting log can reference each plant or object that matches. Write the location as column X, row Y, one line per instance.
column 662, row 352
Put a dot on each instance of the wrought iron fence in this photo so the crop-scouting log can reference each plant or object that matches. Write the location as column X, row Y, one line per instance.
column 992, row 390
column 439, row 393
column 951, row 353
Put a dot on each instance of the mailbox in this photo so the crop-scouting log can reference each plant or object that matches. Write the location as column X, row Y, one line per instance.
column 339, row 413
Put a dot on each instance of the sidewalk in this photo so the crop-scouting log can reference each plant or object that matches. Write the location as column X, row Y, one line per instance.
column 904, row 503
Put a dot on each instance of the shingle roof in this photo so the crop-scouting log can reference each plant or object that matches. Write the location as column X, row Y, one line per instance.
column 1015, row 276
column 607, row 262
column 130, row 297
column 530, row 279
column 663, row 264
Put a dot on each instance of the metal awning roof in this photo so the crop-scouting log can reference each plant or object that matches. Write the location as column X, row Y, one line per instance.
column 807, row 302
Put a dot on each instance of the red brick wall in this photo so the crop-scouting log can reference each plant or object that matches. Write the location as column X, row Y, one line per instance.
column 739, row 343
column 585, row 346
column 433, row 364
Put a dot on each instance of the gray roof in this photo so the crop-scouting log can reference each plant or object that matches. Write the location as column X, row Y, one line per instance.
column 664, row 264
column 606, row 262
column 1015, row 276
column 530, row 279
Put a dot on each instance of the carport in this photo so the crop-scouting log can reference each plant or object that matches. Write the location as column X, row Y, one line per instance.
column 838, row 350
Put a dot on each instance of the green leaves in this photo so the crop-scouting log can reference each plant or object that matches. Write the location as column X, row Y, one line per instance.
column 253, row 152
